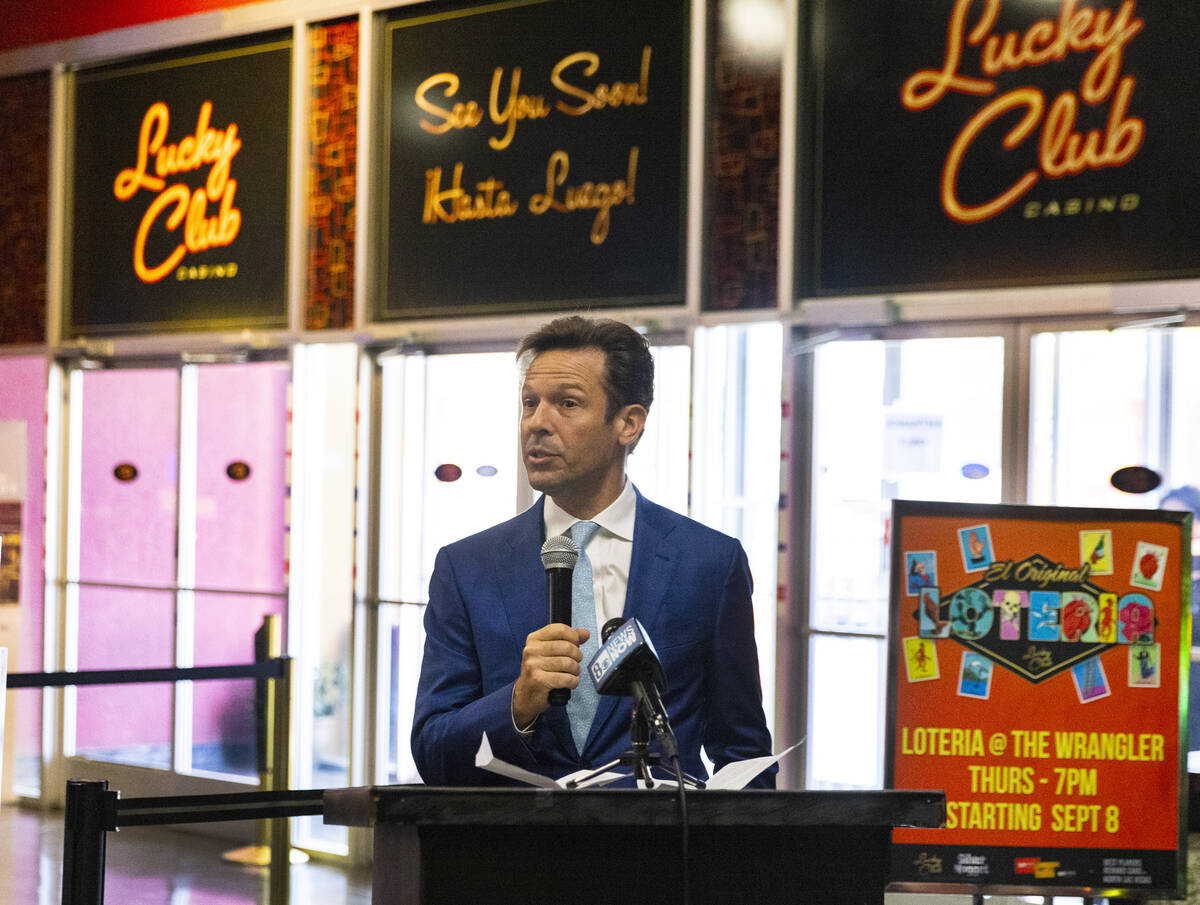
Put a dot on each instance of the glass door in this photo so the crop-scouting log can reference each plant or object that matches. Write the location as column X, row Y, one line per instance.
column 1105, row 399
column 902, row 418
column 450, row 465
column 177, row 525
column 1101, row 400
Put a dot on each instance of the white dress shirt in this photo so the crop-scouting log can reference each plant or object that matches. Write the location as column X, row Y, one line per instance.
column 610, row 552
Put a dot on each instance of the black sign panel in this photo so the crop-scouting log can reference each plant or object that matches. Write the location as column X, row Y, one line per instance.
column 180, row 192
column 536, row 157
column 969, row 144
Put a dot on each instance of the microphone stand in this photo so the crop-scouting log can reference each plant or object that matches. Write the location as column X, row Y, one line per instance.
column 638, row 758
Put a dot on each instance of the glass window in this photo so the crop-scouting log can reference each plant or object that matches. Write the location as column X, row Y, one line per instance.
column 236, row 529
column 892, row 419
column 450, row 466
column 178, row 501
column 321, row 586
column 736, row 443
column 1097, row 405
column 122, row 559
column 1105, row 399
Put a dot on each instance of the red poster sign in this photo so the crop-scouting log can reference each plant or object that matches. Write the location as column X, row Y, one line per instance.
column 1037, row 662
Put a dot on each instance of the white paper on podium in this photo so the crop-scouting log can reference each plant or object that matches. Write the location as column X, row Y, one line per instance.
column 735, row 776
column 485, row 760
column 730, row 777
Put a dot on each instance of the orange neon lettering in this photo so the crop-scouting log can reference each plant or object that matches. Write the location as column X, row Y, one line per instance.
column 206, row 145
column 1064, row 152
column 1029, row 98
column 1076, row 30
column 177, row 195
column 128, row 181
column 925, row 88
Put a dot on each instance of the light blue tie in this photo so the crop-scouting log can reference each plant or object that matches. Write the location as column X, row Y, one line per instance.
column 582, row 706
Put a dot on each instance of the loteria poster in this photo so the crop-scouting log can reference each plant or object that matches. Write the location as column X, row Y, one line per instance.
column 180, row 191
column 965, row 144
column 1037, row 673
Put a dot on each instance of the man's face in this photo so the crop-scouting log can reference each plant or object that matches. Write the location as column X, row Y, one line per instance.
column 571, row 451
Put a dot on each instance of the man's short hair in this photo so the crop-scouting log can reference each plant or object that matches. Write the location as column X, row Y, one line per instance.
column 628, row 365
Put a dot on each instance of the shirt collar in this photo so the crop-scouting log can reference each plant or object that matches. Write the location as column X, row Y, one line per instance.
column 617, row 519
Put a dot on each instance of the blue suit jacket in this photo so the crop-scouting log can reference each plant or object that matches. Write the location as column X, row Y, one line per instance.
column 689, row 586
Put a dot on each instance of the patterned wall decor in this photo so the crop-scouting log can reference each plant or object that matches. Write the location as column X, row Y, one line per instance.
column 24, row 180
column 742, row 174
column 333, row 137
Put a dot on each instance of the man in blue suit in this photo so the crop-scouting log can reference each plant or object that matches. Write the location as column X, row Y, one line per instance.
column 490, row 658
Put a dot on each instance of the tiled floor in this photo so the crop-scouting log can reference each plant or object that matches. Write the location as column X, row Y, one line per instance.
column 155, row 866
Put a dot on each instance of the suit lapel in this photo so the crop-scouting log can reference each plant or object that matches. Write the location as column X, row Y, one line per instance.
column 652, row 564
column 520, row 575
column 522, row 588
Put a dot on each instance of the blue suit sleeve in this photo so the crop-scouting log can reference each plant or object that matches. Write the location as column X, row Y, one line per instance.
column 454, row 706
column 737, row 727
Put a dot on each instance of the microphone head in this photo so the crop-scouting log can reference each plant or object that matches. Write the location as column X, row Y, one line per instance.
column 627, row 654
column 611, row 626
column 559, row 552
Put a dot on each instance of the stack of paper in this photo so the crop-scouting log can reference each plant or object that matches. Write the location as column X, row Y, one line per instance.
column 731, row 776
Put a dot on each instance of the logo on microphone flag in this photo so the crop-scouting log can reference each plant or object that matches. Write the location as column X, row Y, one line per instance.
column 610, row 656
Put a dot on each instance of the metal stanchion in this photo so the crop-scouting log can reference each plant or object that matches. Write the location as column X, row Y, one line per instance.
column 273, row 729
column 279, row 719
column 273, row 705
column 268, row 643
column 92, row 810
column 87, row 820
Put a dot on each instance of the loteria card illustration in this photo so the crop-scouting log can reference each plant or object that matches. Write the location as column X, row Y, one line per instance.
column 975, row 676
column 921, row 569
column 1095, row 549
column 1144, row 662
column 1149, row 566
column 975, row 544
column 920, row 657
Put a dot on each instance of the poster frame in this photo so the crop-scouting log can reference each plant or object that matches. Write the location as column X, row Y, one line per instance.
column 974, row 513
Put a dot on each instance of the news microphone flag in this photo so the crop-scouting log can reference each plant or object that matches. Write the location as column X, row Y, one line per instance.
column 627, row 655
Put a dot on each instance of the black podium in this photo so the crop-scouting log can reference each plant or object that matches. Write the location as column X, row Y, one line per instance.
column 594, row 847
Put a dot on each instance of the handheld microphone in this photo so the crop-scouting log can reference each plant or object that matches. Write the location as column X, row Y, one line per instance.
column 559, row 555
column 627, row 664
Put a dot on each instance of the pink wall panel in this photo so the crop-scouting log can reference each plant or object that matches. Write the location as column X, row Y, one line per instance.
column 123, row 628
column 225, row 627
column 240, row 531
column 23, row 398
column 240, row 524
column 127, row 528
column 127, row 535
